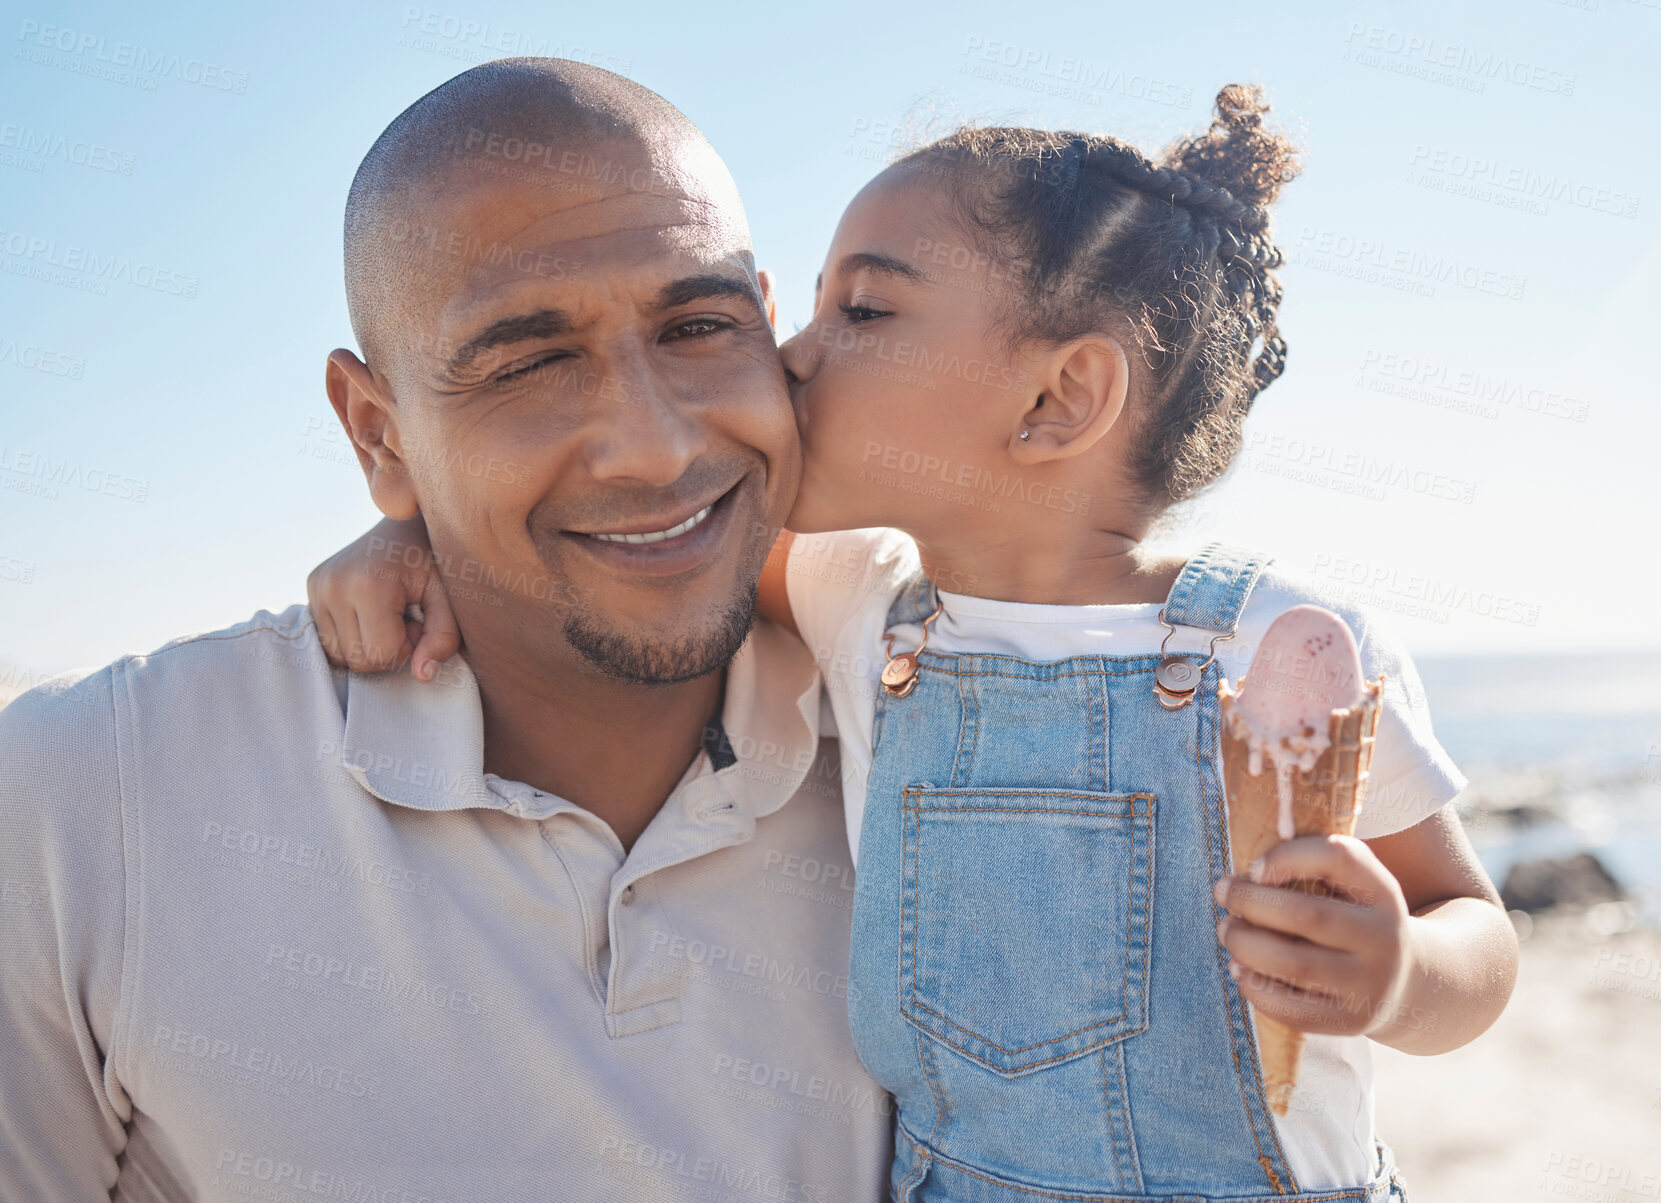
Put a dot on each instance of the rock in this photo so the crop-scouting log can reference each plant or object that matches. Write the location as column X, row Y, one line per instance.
column 1542, row 885
column 1526, row 814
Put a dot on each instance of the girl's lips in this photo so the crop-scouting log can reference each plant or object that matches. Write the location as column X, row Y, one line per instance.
column 659, row 553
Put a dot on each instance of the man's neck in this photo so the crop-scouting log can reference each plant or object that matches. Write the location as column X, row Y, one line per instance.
column 615, row 749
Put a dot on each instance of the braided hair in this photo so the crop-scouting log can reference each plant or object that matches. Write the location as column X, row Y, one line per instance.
column 1175, row 254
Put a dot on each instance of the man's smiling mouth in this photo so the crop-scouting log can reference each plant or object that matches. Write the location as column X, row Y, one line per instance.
column 657, row 536
column 666, row 543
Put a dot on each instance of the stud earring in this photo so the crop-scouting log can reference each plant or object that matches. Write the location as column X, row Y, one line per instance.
column 1025, row 435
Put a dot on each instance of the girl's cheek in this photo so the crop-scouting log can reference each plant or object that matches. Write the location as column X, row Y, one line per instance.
column 846, row 435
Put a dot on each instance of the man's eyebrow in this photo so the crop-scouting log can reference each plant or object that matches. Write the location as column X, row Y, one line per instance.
column 885, row 265
column 540, row 323
column 707, row 287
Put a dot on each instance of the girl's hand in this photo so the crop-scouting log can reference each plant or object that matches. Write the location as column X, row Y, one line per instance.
column 359, row 597
column 1335, row 963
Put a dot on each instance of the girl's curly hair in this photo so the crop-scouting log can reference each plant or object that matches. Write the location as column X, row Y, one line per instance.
column 1175, row 254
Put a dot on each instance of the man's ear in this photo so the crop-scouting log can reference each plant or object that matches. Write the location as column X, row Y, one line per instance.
column 1084, row 384
column 769, row 296
column 364, row 405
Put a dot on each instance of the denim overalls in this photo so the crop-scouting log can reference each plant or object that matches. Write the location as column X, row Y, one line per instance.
column 1036, row 975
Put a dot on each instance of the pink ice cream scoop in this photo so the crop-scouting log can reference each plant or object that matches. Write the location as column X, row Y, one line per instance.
column 1306, row 667
column 1304, row 706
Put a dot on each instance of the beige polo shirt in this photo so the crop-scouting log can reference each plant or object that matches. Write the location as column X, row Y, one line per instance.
column 269, row 931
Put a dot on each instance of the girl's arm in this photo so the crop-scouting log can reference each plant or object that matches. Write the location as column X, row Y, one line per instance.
column 1413, row 950
column 772, row 597
column 360, row 595
column 1464, row 949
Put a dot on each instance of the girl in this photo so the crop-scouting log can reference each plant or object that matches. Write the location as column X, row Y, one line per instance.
column 1026, row 346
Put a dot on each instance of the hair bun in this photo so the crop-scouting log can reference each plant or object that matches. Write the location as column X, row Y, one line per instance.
column 1238, row 153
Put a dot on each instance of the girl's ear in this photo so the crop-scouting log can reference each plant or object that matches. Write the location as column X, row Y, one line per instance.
column 364, row 406
column 1084, row 385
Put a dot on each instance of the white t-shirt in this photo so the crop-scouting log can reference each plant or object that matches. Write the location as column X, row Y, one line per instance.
column 841, row 587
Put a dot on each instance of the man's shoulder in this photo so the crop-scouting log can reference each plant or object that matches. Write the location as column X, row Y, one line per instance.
column 64, row 718
column 287, row 638
column 75, row 714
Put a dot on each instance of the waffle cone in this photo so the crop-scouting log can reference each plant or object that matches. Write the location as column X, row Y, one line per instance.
column 1325, row 801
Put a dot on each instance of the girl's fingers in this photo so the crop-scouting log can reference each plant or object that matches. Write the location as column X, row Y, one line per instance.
column 440, row 636
column 1304, row 1010
column 385, row 641
column 1342, row 861
column 1331, row 921
column 412, row 641
column 351, row 632
column 328, row 636
column 1295, row 962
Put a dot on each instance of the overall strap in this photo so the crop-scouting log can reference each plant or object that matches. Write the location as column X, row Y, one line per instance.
column 916, row 601
column 1212, row 588
column 1209, row 594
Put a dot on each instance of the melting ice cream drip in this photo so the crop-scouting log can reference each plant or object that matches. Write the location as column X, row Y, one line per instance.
column 1306, row 667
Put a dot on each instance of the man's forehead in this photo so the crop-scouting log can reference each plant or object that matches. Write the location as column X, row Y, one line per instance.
column 581, row 261
column 582, row 177
column 515, row 227
column 474, row 236
column 478, row 217
column 620, row 294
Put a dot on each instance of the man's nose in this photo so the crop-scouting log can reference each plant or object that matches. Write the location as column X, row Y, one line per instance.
column 649, row 433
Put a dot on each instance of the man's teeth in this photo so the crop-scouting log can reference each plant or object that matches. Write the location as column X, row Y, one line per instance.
column 659, row 536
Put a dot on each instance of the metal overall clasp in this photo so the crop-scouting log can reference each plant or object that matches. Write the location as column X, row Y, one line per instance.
column 1176, row 678
column 899, row 675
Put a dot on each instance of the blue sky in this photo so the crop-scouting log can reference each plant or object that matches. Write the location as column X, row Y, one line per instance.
column 1465, row 437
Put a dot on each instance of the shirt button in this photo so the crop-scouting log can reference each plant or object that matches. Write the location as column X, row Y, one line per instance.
column 628, row 895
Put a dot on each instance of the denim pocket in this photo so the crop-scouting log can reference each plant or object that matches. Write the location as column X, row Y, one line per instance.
column 1025, row 918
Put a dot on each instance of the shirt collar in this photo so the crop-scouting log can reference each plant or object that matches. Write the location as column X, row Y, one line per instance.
column 422, row 745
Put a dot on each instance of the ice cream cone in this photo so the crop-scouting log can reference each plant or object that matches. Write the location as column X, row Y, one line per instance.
column 1324, row 800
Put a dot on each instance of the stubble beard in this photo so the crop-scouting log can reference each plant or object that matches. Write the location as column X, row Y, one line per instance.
column 625, row 656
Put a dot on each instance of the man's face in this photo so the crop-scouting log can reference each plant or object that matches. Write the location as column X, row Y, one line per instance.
column 590, row 407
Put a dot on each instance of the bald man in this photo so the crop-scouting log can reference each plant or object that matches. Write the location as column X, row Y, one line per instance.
column 569, row 924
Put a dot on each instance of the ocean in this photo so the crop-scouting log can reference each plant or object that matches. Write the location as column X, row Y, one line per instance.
column 1577, row 740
